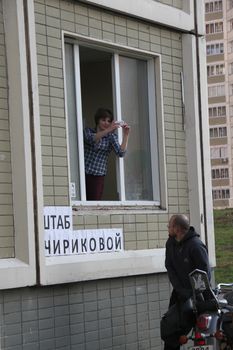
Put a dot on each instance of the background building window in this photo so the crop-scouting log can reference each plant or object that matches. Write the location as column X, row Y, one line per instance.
column 231, row 111
column 230, row 25
column 230, row 70
column 216, row 27
column 218, row 132
column 230, row 46
column 217, row 90
column 219, row 111
column 217, row 69
column 231, row 89
column 218, row 153
column 221, row 193
column 215, row 49
column 220, row 173
column 213, row 6
column 230, row 4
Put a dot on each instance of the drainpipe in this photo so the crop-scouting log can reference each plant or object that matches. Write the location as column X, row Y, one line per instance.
column 197, row 37
column 202, row 97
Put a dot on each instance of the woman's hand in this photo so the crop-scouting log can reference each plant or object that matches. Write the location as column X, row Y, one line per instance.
column 125, row 129
column 114, row 125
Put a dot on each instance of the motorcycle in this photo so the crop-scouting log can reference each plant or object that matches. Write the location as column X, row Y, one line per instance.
column 213, row 309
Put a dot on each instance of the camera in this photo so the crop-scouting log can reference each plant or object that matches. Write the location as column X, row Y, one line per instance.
column 120, row 122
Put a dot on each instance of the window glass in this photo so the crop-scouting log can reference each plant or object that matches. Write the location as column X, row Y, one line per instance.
column 134, row 107
column 72, row 123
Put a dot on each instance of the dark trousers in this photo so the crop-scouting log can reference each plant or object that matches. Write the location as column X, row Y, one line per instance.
column 173, row 300
column 94, row 187
column 169, row 347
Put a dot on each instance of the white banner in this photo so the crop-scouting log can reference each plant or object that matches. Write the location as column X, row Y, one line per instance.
column 83, row 242
column 58, row 219
column 60, row 239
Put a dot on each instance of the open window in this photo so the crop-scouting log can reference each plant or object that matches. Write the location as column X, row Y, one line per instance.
column 124, row 82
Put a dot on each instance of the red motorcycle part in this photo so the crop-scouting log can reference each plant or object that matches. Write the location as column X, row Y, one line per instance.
column 203, row 322
column 199, row 339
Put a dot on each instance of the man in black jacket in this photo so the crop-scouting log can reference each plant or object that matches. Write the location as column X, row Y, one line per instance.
column 185, row 252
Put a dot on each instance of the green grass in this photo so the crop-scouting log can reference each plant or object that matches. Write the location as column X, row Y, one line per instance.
column 223, row 224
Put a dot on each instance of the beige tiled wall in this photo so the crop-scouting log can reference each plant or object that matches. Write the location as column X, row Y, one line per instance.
column 141, row 230
column 6, row 210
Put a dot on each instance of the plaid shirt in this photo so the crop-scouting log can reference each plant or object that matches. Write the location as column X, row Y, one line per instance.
column 96, row 153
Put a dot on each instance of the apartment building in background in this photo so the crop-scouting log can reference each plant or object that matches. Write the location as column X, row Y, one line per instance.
column 219, row 50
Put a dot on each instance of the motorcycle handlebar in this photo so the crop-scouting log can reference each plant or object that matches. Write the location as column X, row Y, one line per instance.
column 229, row 307
column 220, row 285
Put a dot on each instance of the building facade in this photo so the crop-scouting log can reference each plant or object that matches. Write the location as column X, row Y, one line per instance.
column 219, row 68
column 78, row 274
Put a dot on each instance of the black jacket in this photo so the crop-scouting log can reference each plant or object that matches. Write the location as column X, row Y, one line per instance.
column 182, row 258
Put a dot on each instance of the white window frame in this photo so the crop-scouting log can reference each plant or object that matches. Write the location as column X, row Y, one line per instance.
column 155, row 108
column 21, row 270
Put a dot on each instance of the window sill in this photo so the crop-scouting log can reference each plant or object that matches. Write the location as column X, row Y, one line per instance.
column 106, row 207
column 15, row 273
column 67, row 269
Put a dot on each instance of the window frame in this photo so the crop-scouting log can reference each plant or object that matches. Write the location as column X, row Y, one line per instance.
column 155, row 105
column 218, row 132
column 219, row 194
column 219, row 152
column 214, row 27
column 215, row 69
column 217, row 108
column 220, row 173
column 20, row 271
column 216, row 90
column 230, row 4
column 216, row 48
column 213, row 6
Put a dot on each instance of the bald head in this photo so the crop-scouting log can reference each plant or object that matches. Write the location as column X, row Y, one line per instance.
column 178, row 225
column 181, row 220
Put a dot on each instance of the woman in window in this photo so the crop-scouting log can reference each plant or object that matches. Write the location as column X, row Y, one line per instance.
column 98, row 143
